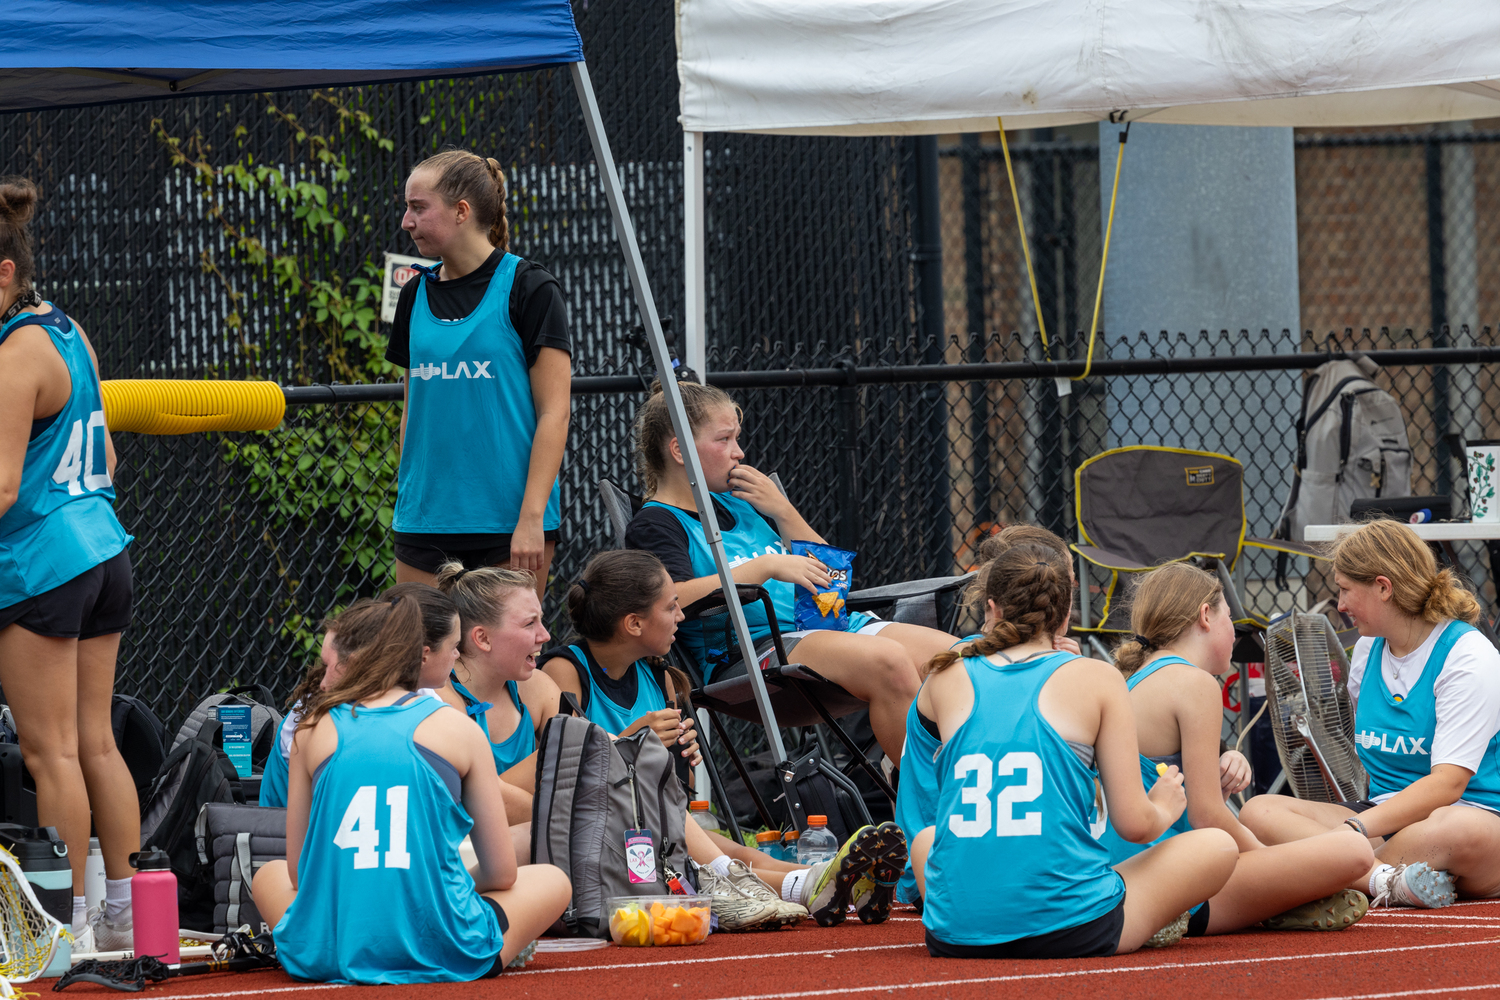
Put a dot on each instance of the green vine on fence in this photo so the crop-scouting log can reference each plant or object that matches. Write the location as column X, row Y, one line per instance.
column 319, row 476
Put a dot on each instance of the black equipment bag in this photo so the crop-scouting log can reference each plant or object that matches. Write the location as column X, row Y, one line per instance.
column 233, row 842
column 141, row 738
column 811, row 786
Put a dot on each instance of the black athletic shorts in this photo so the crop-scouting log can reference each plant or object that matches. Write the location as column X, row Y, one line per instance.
column 96, row 602
column 474, row 551
column 1198, row 922
column 1099, row 938
column 499, row 965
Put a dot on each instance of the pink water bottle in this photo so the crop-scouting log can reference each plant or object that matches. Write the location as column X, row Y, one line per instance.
column 153, row 905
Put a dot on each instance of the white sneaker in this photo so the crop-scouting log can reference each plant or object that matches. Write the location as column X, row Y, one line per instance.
column 1413, row 885
column 83, row 940
column 111, row 935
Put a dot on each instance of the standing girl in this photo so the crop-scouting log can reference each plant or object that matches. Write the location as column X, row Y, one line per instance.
column 484, row 339
column 65, row 580
column 1426, row 690
column 1183, row 639
column 384, row 785
column 876, row 661
column 1026, row 732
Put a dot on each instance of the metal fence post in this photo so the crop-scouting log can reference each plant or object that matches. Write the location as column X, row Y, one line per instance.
column 850, row 502
column 1437, row 285
column 927, row 261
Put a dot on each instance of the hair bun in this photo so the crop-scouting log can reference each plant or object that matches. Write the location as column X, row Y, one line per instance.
column 18, row 198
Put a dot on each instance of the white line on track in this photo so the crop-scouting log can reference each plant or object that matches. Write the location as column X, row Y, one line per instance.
column 1420, row 914
column 1429, row 925
column 1415, row 993
column 830, row 952
column 1247, row 960
column 251, row 993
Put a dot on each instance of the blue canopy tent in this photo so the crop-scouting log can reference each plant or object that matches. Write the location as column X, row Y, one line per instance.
column 70, row 53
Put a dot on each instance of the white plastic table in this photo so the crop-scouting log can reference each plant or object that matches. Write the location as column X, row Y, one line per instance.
column 1433, row 531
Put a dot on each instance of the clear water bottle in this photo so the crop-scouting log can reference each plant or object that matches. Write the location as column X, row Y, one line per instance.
column 817, row 842
column 702, row 813
column 768, row 842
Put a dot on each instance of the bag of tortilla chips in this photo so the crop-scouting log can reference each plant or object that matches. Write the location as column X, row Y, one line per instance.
column 825, row 609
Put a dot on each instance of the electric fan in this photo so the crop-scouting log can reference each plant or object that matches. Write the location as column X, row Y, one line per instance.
column 1307, row 692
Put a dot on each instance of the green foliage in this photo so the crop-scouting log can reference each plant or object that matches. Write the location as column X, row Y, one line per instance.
column 333, row 474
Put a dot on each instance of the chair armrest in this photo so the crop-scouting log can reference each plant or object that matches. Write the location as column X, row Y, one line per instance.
column 1106, row 559
column 714, row 602
column 1287, row 545
column 874, row 597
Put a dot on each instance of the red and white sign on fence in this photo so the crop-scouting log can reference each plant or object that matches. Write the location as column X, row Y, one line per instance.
column 398, row 271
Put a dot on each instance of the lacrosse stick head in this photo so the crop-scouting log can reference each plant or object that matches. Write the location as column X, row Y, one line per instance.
column 28, row 933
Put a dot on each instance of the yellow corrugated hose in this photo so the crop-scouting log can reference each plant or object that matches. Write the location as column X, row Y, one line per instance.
column 183, row 406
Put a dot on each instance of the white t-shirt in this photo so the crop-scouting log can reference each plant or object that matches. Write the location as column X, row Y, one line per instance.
column 1467, row 692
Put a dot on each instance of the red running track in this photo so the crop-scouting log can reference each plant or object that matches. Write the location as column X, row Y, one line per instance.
column 1391, row 953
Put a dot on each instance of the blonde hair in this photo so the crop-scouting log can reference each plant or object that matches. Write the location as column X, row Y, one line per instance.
column 1029, row 584
column 1418, row 588
column 478, row 180
column 653, row 425
column 479, row 595
column 991, row 548
column 1164, row 603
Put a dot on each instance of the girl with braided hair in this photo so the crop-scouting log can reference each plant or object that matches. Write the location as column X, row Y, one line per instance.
column 484, row 339
column 1426, row 690
column 1183, row 640
column 1028, row 732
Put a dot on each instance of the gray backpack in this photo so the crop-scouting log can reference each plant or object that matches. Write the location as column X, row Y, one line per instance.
column 589, row 791
column 1351, row 444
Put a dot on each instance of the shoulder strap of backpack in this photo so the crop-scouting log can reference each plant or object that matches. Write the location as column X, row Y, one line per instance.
column 259, row 692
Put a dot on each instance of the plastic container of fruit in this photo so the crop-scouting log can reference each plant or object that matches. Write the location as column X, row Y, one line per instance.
column 650, row 921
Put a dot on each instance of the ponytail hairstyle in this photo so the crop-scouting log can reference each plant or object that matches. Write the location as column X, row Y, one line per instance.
column 1165, row 602
column 480, row 595
column 1030, row 585
column 990, row 549
column 653, row 425
column 18, row 197
column 1419, row 589
column 465, row 176
column 379, row 643
column 616, row 583
column 438, row 611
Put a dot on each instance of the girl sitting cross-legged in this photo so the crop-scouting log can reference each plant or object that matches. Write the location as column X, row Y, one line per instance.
column 384, row 785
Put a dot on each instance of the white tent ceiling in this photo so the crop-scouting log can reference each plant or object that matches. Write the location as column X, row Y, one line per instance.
column 883, row 67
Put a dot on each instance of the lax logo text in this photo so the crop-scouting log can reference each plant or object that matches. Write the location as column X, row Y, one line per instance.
column 480, row 369
column 1381, row 742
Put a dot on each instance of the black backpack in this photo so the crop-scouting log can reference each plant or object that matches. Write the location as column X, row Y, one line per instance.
column 141, row 737
column 195, row 773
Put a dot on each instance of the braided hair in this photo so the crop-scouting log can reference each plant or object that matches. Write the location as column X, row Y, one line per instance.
column 1031, row 586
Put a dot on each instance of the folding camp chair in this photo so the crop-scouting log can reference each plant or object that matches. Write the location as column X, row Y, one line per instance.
column 800, row 696
column 1144, row 506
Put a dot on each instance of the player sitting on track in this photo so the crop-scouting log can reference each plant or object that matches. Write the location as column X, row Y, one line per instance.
column 384, row 785
column 1026, row 732
column 1426, row 725
column 496, row 680
column 1183, row 640
column 624, row 609
column 753, row 515
column 439, row 653
column 65, row 579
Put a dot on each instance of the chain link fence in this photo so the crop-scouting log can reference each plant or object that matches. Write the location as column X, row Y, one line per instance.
column 150, row 235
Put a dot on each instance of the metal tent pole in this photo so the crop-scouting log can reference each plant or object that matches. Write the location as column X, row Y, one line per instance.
column 643, row 299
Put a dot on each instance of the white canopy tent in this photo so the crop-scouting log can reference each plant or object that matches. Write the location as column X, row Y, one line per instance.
column 925, row 67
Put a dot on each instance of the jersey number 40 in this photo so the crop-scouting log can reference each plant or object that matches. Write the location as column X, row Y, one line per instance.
column 80, row 458
column 977, row 796
column 357, row 830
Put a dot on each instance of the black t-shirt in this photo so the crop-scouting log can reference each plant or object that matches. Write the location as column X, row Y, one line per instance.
column 537, row 309
column 657, row 530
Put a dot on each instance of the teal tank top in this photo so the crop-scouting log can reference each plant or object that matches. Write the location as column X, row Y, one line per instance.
column 917, row 794
column 470, row 419
column 1394, row 738
column 604, row 699
column 273, row 780
column 518, row 745
column 63, row 521
column 1119, row 847
column 1016, row 853
column 384, row 896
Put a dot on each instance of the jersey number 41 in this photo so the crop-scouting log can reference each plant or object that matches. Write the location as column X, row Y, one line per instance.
column 357, row 830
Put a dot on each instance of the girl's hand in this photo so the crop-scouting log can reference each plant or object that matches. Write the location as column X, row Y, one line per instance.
column 755, row 486
column 1066, row 645
column 804, row 571
column 1168, row 795
column 666, row 723
column 1234, row 772
column 527, row 546
column 687, row 741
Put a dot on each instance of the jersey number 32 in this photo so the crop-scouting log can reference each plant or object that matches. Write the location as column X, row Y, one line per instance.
column 82, row 456
column 357, row 830
column 977, row 796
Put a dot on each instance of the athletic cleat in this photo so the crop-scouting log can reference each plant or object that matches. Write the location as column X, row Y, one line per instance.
column 1170, row 934
column 876, row 889
column 829, row 889
column 737, row 911
column 750, row 884
column 111, row 936
column 1331, row 913
column 1413, row 885
column 523, row 956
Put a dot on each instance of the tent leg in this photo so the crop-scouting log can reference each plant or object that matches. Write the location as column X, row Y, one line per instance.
column 636, row 267
column 694, row 272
